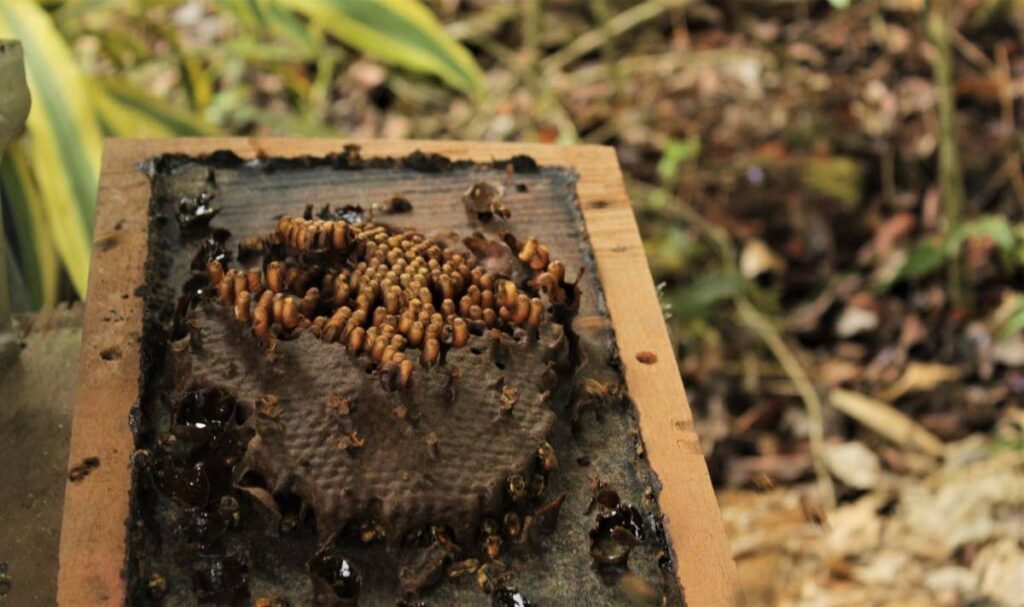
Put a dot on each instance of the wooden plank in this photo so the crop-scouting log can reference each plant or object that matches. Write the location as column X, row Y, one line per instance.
column 94, row 529
column 93, row 537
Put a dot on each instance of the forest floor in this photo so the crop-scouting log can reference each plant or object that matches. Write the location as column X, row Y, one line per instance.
column 832, row 201
column 851, row 346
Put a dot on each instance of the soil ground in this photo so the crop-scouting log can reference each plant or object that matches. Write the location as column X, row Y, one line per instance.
column 35, row 425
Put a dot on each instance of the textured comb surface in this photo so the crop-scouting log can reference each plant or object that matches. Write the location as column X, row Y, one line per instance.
column 395, row 478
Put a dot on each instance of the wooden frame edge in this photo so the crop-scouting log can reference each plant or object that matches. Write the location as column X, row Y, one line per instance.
column 96, row 508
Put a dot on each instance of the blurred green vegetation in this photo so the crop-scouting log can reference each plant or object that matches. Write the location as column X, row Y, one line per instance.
column 91, row 66
column 830, row 192
column 752, row 125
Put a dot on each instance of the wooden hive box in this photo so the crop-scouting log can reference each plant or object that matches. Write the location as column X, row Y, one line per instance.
column 94, row 532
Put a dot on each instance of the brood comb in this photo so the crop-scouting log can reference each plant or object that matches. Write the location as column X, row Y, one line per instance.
column 392, row 379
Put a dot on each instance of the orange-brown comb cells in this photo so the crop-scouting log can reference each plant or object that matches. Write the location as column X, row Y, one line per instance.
column 377, row 284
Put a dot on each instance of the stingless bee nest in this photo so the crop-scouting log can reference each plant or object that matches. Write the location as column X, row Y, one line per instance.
column 410, row 376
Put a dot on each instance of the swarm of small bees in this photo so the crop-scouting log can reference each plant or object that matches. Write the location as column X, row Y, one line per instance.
column 382, row 292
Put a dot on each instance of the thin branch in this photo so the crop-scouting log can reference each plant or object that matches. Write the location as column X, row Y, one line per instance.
column 483, row 24
column 531, row 31
column 602, row 13
column 771, row 337
column 951, row 183
column 547, row 102
column 969, row 51
column 616, row 26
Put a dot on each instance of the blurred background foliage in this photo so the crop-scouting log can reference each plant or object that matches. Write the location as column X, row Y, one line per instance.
column 830, row 192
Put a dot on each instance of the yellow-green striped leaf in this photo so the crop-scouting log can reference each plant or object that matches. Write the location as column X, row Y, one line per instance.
column 283, row 26
column 64, row 142
column 126, row 111
column 248, row 12
column 194, row 75
column 402, row 32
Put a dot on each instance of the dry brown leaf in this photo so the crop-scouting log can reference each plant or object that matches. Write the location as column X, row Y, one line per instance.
column 1009, row 351
column 920, row 377
column 855, row 320
column 912, row 331
column 262, row 496
column 890, row 231
column 881, row 569
column 975, row 498
column 853, row 464
column 1000, row 567
column 833, row 372
column 856, row 528
column 952, row 581
column 886, row 421
column 757, row 258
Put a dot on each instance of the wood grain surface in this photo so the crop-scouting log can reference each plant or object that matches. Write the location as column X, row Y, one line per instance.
column 94, row 531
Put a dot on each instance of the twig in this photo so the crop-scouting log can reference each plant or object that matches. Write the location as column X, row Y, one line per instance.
column 1005, row 79
column 969, row 51
column 1013, row 169
column 602, row 13
column 768, row 334
column 547, row 102
column 1006, row 103
column 951, row 183
column 617, row 25
column 1008, row 173
column 718, row 235
column 482, row 24
column 531, row 31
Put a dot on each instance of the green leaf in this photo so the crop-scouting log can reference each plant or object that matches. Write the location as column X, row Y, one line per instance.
column 1015, row 323
column 699, row 298
column 840, row 178
column 670, row 249
column 128, row 112
column 996, row 227
column 285, row 25
column 923, row 259
column 277, row 29
column 64, row 141
column 840, row 4
column 401, row 32
column 927, row 257
column 72, row 12
column 676, row 152
column 247, row 12
column 194, row 75
column 1017, row 257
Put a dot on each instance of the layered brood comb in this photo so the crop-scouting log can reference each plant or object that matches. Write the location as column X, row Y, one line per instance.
column 481, row 326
